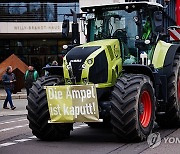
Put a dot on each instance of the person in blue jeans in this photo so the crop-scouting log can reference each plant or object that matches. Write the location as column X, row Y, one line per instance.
column 8, row 80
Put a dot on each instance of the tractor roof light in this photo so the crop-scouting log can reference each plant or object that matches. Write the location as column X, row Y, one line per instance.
column 147, row 42
column 137, row 37
column 65, row 47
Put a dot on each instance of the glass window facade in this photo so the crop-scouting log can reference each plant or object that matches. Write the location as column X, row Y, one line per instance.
column 64, row 8
column 16, row 9
column 33, row 50
column 29, row 12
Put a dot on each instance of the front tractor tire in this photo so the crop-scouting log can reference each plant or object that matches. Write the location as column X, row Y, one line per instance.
column 133, row 107
column 38, row 113
column 171, row 118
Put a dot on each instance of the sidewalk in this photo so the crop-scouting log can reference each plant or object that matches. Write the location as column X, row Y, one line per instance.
column 20, row 105
column 19, row 95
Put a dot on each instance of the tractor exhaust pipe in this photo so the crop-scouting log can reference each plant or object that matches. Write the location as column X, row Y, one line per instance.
column 75, row 29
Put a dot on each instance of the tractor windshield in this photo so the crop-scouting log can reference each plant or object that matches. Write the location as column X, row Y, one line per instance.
column 114, row 24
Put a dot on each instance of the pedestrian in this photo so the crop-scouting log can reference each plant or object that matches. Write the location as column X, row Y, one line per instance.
column 31, row 76
column 49, row 62
column 8, row 80
column 48, row 65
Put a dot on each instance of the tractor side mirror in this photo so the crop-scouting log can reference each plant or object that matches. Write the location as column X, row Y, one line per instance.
column 158, row 21
column 65, row 28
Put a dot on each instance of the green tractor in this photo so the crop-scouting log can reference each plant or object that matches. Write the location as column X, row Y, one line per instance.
column 137, row 75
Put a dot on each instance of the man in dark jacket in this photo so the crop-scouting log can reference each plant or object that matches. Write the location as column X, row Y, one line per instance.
column 8, row 79
column 31, row 76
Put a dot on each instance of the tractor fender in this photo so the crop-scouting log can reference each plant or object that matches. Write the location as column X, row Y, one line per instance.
column 140, row 69
column 163, row 57
column 160, row 53
column 168, row 62
column 166, row 70
column 149, row 71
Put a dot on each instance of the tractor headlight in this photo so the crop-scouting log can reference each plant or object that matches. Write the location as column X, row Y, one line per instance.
column 89, row 61
column 85, row 80
column 83, row 66
column 68, row 67
column 68, row 81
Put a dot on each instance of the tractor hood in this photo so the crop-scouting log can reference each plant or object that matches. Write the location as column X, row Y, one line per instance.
column 91, row 61
column 80, row 54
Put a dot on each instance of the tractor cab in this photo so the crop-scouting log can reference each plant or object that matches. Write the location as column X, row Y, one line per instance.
column 135, row 24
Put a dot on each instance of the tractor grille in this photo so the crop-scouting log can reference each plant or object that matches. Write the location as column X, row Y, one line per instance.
column 79, row 54
column 98, row 73
column 77, row 70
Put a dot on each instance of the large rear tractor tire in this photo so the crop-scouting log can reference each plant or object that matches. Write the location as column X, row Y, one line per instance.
column 38, row 113
column 171, row 118
column 133, row 107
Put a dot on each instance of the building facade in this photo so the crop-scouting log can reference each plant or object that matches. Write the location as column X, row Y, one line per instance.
column 33, row 30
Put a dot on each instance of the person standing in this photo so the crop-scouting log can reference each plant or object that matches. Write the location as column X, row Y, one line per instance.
column 31, row 76
column 8, row 80
column 48, row 65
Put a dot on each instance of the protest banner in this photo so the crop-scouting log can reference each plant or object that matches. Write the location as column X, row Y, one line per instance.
column 72, row 103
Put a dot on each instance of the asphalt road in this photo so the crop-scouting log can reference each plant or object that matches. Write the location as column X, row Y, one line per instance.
column 16, row 138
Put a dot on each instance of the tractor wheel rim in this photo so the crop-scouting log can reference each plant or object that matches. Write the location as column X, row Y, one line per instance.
column 178, row 89
column 145, row 115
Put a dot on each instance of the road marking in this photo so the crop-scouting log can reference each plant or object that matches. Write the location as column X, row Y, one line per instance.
column 14, row 119
column 7, row 144
column 84, row 125
column 76, row 127
column 29, row 138
column 23, row 140
column 11, row 128
column 2, row 123
column 32, row 137
column 14, row 142
column 80, row 126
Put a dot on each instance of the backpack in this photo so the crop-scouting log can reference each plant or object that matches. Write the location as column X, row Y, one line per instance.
column 35, row 75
